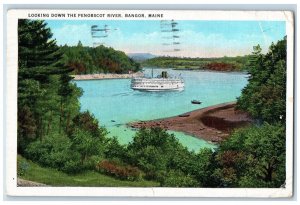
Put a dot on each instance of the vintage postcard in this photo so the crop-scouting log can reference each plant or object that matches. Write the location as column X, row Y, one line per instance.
column 149, row 103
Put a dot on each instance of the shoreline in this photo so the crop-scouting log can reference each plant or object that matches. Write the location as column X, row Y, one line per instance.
column 212, row 123
column 210, row 70
column 102, row 76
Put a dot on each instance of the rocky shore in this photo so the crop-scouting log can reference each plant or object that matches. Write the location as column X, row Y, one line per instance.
column 213, row 123
column 107, row 76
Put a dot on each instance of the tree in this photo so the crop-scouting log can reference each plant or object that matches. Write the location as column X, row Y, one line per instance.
column 85, row 144
column 26, row 128
column 264, row 96
column 253, row 157
column 65, row 91
column 86, row 121
column 39, row 70
column 161, row 156
column 178, row 179
column 79, row 44
column 205, row 164
column 86, row 136
column 30, row 95
column 114, row 150
column 152, row 151
column 39, row 56
column 48, row 106
column 38, row 61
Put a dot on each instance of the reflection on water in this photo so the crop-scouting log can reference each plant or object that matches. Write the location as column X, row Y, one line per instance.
column 114, row 103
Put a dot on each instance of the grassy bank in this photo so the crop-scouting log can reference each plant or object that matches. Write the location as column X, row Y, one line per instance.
column 52, row 177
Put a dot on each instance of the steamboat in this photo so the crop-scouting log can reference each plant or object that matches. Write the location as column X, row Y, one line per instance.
column 160, row 83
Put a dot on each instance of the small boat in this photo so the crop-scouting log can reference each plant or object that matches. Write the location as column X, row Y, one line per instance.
column 184, row 115
column 196, row 102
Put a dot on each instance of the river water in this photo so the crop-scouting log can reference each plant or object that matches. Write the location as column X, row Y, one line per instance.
column 114, row 103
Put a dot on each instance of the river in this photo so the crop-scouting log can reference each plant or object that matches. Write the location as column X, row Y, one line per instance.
column 114, row 103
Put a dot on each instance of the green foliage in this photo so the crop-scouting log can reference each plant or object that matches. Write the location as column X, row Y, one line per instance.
column 40, row 67
column 22, row 167
column 87, row 122
column 87, row 60
column 56, row 178
column 152, row 150
column 26, row 127
column 258, row 160
column 55, row 151
column 30, row 97
column 203, row 168
column 238, row 63
column 48, row 103
column 87, row 137
column 163, row 158
column 39, row 56
column 114, row 150
column 257, row 154
column 178, row 179
column 72, row 156
column 124, row 172
column 264, row 97
column 86, row 144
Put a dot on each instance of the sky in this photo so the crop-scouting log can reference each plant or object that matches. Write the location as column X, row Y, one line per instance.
column 196, row 38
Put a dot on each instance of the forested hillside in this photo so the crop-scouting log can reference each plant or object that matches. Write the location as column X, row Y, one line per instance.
column 101, row 59
column 239, row 63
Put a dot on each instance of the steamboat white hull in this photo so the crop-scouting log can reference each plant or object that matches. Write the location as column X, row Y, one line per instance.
column 158, row 90
column 157, row 84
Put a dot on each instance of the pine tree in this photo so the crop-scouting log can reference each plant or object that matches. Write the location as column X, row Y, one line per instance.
column 40, row 65
column 39, row 56
column 65, row 91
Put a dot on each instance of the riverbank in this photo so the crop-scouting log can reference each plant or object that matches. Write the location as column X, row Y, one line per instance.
column 107, row 76
column 213, row 123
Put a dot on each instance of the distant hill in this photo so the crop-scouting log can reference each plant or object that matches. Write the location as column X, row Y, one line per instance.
column 141, row 56
column 238, row 63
